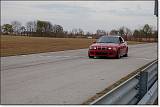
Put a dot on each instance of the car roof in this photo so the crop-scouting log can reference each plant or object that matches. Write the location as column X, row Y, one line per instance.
column 111, row 36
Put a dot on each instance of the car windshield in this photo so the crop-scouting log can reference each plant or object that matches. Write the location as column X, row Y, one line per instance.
column 108, row 40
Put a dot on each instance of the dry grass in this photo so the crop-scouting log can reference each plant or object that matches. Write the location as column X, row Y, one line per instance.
column 18, row 45
column 135, row 42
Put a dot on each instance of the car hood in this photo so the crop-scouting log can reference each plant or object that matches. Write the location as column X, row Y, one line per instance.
column 105, row 44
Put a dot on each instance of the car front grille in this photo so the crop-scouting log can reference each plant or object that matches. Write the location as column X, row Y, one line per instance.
column 101, row 53
column 101, row 48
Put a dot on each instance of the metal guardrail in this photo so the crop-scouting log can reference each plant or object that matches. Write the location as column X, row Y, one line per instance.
column 139, row 89
column 150, row 96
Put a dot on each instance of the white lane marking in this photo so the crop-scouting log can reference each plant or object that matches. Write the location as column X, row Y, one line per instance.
column 144, row 58
column 23, row 55
column 61, row 56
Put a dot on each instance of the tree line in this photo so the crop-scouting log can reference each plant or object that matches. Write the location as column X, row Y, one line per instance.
column 47, row 29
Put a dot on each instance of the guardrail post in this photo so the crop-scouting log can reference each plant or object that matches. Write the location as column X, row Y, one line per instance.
column 143, row 84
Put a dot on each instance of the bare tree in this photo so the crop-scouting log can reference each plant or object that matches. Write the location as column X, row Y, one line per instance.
column 16, row 27
column 74, row 31
column 22, row 30
column 127, row 32
column 114, row 32
column 88, row 34
column 121, row 31
column 100, row 33
column 80, row 32
column 136, row 33
column 31, row 27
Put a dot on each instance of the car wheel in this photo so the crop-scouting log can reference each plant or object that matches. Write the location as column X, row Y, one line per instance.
column 90, row 56
column 126, row 55
column 118, row 55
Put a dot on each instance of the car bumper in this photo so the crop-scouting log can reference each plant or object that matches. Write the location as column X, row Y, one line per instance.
column 107, row 53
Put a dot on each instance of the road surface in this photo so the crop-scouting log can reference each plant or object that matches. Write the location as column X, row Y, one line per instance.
column 65, row 77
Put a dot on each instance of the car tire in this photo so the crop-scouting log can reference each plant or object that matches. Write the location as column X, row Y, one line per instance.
column 90, row 56
column 118, row 55
column 126, row 55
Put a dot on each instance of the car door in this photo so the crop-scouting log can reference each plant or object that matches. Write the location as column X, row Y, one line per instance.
column 123, row 46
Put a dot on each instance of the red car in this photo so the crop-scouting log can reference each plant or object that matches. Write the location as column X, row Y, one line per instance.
column 109, row 46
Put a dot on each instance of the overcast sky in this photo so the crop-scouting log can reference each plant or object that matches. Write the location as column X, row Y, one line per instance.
column 88, row 15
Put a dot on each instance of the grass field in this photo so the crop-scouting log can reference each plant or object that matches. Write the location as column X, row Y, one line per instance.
column 18, row 45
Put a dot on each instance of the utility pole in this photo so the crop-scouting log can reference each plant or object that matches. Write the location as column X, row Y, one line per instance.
column 156, row 12
column 156, row 8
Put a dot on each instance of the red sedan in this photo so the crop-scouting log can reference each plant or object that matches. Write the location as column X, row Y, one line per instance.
column 109, row 46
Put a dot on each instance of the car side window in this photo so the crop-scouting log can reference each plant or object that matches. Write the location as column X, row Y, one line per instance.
column 121, row 40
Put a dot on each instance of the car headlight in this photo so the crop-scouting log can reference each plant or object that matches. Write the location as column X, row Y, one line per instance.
column 94, row 47
column 109, row 48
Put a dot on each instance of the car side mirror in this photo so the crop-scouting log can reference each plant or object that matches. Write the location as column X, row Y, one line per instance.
column 121, row 41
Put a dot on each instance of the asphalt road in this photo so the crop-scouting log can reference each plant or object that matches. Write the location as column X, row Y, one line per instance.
column 65, row 77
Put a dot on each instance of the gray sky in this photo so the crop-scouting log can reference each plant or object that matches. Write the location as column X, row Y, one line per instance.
column 88, row 15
